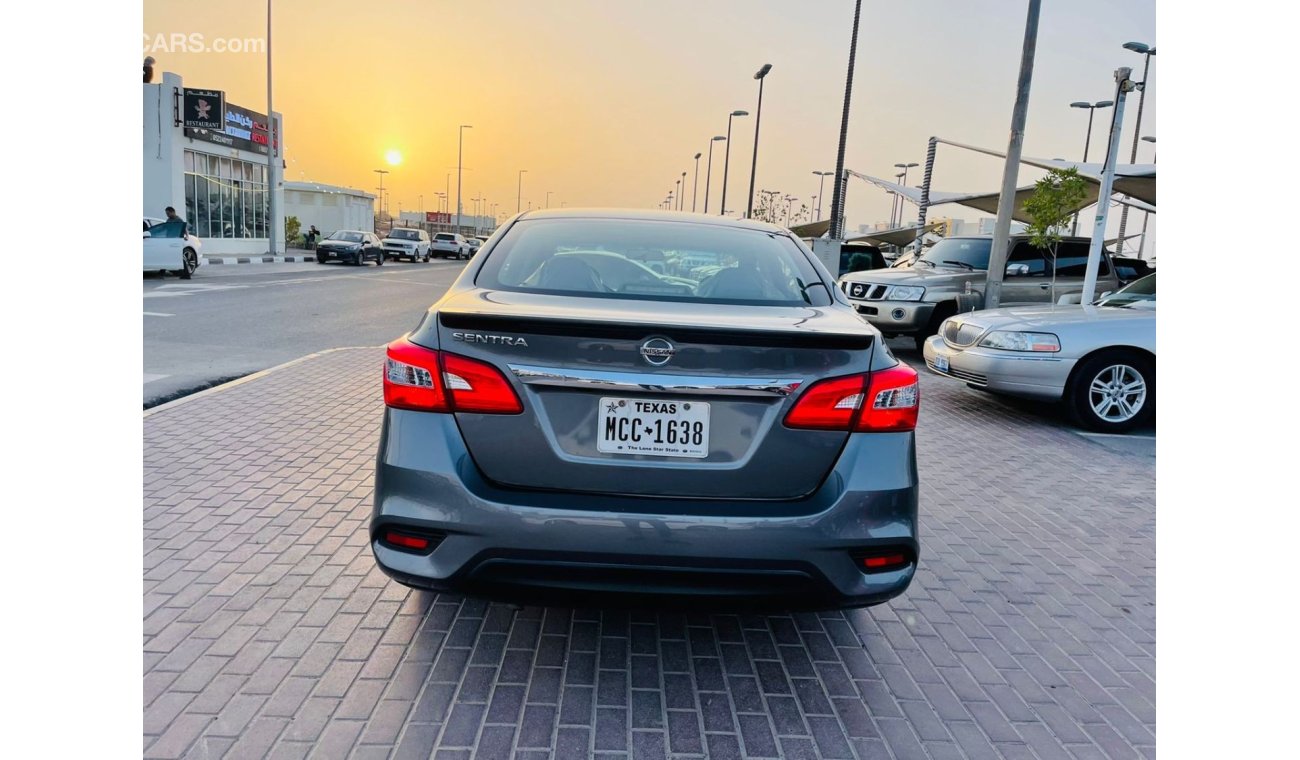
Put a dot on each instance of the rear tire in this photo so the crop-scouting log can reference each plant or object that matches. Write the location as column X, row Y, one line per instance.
column 379, row 260
column 1113, row 391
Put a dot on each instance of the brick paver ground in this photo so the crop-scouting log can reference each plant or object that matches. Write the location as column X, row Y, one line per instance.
column 1028, row 632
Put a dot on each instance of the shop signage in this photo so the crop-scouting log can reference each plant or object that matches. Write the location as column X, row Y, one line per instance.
column 437, row 217
column 203, row 109
column 241, row 128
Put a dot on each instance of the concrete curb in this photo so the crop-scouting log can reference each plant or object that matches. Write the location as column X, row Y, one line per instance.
column 229, row 260
column 249, row 378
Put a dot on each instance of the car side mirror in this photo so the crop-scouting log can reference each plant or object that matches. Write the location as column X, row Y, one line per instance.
column 1017, row 270
column 148, row 234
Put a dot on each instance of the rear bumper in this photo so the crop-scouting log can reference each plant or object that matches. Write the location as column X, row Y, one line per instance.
column 508, row 542
column 1035, row 376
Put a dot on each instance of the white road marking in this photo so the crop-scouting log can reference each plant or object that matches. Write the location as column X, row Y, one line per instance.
column 148, row 378
column 157, row 314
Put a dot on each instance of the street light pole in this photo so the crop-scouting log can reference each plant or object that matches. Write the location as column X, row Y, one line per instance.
column 708, row 174
column 519, row 192
column 681, row 199
column 758, row 115
column 821, row 190
column 1087, row 142
column 898, row 200
column 460, row 158
column 381, row 173
column 1146, row 51
column 1011, row 170
column 272, row 139
column 695, row 191
column 726, row 159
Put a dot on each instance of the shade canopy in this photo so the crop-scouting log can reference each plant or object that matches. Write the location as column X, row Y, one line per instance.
column 812, row 229
column 986, row 202
column 899, row 236
column 1135, row 180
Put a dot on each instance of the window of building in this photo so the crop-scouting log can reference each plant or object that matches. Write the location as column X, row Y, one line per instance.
column 225, row 197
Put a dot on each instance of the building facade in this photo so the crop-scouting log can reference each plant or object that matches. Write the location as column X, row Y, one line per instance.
column 329, row 207
column 218, row 180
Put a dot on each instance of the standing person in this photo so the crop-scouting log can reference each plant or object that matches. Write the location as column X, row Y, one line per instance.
column 176, row 221
column 313, row 234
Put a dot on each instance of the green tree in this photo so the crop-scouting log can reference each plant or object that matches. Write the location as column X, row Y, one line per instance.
column 291, row 229
column 1055, row 199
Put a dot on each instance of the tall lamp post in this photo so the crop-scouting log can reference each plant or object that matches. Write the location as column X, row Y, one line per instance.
column 681, row 199
column 678, row 183
column 1087, row 142
column 381, row 173
column 708, row 174
column 1146, row 215
column 1146, row 51
column 460, row 159
column 760, row 75
column 821, row 190
column 695, row 191
column 898, row 200
column 789, row 199
column 272, row 207
column 519, row 192
column 726, row 159
column 905, row 168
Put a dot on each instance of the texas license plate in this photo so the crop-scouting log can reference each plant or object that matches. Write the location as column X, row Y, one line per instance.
column 941, row 362
column 654, row 428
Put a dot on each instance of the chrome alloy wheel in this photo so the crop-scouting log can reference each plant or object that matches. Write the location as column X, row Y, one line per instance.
column 1117, row 393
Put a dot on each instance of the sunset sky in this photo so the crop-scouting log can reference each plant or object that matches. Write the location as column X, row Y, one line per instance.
column 605, row 103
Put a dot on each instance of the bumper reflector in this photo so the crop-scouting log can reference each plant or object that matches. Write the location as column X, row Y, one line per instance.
column 883, row 560
column 406, row 541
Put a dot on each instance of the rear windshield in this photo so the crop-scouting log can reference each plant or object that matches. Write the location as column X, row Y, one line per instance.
column 652, row 260
column 404, row 235
column 444, row 236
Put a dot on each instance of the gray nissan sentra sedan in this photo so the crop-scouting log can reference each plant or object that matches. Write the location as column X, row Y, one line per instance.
column 647, row 403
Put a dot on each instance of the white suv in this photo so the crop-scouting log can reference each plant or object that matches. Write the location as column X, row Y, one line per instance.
column 406, row 243
column 450, row 245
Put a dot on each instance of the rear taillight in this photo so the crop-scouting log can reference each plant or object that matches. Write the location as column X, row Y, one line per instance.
column 478, row 387
column 893, row 400
column 425, row 380
column 411, row 378
column 888, row 402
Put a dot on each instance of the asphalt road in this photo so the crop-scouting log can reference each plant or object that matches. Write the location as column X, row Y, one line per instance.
column 230, row 321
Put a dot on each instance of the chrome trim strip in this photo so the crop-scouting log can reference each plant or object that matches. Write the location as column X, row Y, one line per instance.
column 644, row 381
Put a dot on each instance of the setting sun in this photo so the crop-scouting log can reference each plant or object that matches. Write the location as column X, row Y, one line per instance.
column 393, row 157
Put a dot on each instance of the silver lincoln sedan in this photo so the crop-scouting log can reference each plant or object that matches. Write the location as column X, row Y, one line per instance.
column 1098, row 359
column 647, row 403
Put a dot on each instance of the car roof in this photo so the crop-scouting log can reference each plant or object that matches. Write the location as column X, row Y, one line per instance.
column 628, row 214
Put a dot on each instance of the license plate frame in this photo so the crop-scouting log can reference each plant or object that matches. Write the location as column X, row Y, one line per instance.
column 941, row 363
column 653, row 427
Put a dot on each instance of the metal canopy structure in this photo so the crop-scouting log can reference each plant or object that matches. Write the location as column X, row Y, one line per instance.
column 899, row 236
column 812, row 229
column 1134, row 180
column 986, row 202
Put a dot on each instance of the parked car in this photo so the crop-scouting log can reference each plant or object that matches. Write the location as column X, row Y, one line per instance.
column 169, row 247
column 557, row 424
column 450, row 245
column 1099, row 359
column 473, row 244
column 915, row 300
column 1131, row 269
column 406, row 243
column 353, row 246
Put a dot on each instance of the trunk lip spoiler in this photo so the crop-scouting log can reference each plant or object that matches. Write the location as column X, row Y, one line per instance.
column 633, row 330
column 641, row 382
